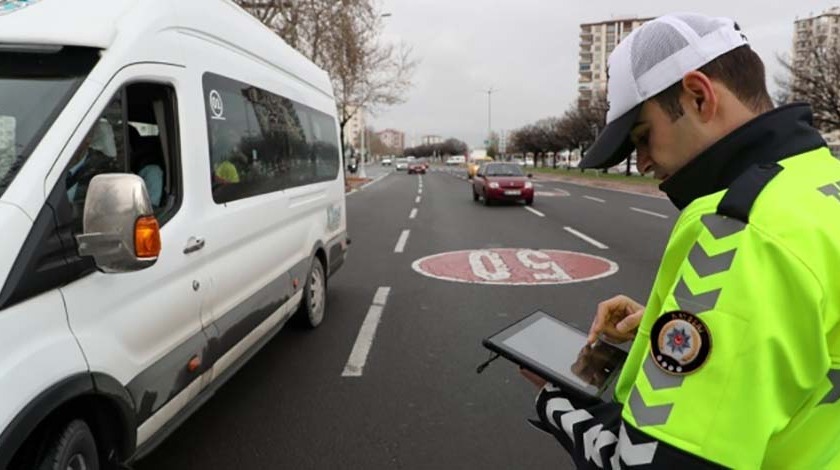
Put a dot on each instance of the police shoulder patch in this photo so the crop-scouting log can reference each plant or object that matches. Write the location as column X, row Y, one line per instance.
column 680, row 342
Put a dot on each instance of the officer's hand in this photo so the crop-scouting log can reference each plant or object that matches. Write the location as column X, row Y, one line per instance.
column 533, row 378
column 617, row 319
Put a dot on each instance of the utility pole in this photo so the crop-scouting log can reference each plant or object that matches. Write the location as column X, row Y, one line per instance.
column 361, row 165
column 490, row 92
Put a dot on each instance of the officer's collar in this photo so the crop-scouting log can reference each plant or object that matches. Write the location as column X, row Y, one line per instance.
column 770, row 137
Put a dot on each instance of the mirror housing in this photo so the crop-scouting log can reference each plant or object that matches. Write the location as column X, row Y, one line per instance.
column 118, row 215
column 530, row 175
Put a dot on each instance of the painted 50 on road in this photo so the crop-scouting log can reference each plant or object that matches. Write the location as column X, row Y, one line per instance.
column 515, row 266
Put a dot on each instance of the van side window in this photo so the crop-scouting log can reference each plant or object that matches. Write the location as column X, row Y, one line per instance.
column 135, row 134
column 261, row 142
column 102, row 151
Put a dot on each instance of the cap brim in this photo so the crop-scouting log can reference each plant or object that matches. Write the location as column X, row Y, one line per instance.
column 613, row 144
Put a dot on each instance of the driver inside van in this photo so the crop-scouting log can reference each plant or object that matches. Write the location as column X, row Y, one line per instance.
column 97, row 154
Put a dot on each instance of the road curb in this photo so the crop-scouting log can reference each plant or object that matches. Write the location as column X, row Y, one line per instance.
column 581, row 182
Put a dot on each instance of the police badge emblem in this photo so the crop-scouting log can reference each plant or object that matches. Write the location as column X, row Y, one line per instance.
column 679, row 342
column 11, row 6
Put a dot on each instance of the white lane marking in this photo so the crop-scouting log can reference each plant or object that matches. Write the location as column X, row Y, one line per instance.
column 381, row 297
column 376, row 180
column 420, row 191
column 586, row 238
column 655, row 214
column 402, row 241
column 413, row 213
column 361, row 349
column 417, row 200
column 596, row 199
column 534, row 211
column 537, row 185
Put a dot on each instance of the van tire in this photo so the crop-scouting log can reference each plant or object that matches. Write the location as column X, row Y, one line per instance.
column 313, row 305
column 74, row 447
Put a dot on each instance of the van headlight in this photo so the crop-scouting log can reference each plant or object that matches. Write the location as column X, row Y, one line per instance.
column 529, row 185
column 494, row 185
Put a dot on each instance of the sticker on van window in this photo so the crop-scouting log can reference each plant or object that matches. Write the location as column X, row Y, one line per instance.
column 11, row 6
column 217, row 106
column 7, row 144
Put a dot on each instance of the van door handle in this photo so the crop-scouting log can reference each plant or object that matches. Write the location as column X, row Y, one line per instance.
column 194, row 244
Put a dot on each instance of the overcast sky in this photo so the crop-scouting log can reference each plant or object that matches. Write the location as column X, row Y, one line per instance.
column 528, row 50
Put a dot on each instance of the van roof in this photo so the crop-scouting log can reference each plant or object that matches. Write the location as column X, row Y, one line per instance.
column 117, row 24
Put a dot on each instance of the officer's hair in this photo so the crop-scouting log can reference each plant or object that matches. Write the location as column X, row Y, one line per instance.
column 740, row 70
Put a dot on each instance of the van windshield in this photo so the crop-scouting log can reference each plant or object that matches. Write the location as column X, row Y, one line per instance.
column 34, row 88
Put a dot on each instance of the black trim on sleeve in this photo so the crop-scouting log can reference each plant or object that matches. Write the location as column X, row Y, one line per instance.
column 597, row 437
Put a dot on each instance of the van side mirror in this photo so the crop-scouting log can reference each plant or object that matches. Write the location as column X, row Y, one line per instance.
column 119, row 230
column 530, row 175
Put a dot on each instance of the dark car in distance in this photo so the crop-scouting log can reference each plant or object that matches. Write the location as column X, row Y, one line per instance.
column 416, row 167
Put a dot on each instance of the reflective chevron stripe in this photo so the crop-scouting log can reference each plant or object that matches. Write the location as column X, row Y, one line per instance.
column 690, row 302
column 658, row 379
column 648, row 415
column 721, row 226
column 834, row 394
column 706, row 265
column 569, row 420
column 632, row 454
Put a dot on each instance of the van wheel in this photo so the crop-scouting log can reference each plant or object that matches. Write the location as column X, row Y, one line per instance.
column 73, row 448
column 475, row 194
column 314, row 302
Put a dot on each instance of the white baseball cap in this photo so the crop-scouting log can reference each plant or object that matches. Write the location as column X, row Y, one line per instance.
column 648, row 61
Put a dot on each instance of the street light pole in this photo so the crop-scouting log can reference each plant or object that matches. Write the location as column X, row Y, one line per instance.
column 362, row 173
column 490, row 92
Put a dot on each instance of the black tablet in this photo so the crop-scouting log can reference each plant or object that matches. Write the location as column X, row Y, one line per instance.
column 559, row 353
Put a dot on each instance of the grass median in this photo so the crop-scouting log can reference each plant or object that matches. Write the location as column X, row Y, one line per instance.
column 595, row 175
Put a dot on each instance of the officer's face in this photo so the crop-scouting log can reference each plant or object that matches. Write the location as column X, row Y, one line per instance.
column 664, row 145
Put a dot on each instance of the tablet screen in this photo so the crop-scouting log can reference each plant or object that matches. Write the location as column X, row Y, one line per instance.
column 562, row 351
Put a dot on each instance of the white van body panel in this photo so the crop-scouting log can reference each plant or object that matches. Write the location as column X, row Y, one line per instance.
column 57, row 22
column 39, row 350
column 142, row 328
column 16, row 225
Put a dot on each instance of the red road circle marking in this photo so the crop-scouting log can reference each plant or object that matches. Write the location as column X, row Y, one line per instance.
column 515, row 266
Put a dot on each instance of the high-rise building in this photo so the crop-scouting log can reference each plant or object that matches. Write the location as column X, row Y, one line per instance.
column 353, row 130
column 809, row 35
column 392, row 138
column 813, row 32
column 597, row 41
column 431, row 139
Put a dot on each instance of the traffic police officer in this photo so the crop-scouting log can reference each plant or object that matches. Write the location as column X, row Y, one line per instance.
column 736, row 356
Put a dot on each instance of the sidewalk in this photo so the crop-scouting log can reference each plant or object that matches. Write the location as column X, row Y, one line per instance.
column 352, row 183
column 636, row 188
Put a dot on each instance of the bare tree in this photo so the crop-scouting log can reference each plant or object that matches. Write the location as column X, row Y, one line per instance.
column 343, row 38
column 815, row 79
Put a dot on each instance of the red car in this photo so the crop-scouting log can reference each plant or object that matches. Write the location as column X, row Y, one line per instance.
column 496, row 181
column 416, row 168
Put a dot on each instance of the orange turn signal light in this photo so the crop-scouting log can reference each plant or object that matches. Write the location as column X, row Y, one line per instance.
column 147, row 237
column 194, row 364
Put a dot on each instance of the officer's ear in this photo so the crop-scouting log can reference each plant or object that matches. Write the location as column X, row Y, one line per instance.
column 699, row 96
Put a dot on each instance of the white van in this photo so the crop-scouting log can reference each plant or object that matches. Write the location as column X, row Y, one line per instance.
column 170, row 194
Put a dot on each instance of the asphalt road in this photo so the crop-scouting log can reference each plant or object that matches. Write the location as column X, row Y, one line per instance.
column 418, row 402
